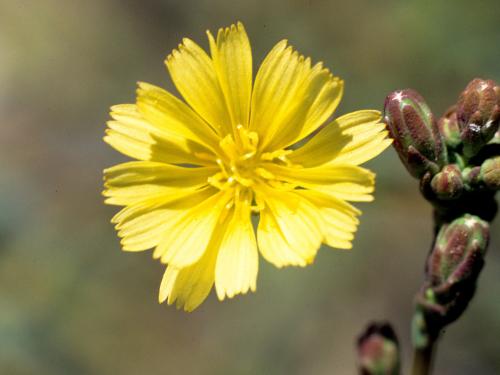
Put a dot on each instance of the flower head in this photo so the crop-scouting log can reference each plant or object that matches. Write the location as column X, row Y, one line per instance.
column 228, row 153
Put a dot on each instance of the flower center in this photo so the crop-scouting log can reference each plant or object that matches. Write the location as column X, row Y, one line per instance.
column 239, row 160
column 243, row 165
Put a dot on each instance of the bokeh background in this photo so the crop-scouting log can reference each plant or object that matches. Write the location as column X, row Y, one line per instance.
column 72, row 303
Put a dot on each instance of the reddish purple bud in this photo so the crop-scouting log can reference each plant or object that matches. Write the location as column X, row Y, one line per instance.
column 458, row 253
column 478, row 114
column 448, row 183
column 378, row 350
column 415, row 132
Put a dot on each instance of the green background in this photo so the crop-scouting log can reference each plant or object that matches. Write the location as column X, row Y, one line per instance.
column 72, row 303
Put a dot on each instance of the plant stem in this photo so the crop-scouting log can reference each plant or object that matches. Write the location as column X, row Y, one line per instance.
column 422, row 360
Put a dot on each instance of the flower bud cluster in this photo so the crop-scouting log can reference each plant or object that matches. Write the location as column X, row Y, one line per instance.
column 455, row 156
column 457, row 160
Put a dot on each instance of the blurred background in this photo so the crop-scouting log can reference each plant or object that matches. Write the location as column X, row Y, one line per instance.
column 72, row 303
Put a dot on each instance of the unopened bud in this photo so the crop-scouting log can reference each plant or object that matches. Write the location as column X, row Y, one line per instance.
column 453, row 267
column 478, row 114
column 378, row 351
column 458, row 252
column 449, row 129
column 416, row 135
column 448, row 183
column 490, row 173
column 472, row 177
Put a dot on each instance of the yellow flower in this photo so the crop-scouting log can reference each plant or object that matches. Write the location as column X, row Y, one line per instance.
column 235, row 149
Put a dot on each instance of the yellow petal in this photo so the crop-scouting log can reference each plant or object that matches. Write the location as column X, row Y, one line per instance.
column 369, row 137
column 194, row 75
column 289, row 231
column 334, row 232
column 173, row 117
column 345, row 181
column 354, row 192
column 273, row 245
column 237, row 263
column 190, row 286
column 276, row 83
column 176, row 199
column 323, row 93
column 345, row 213
column 358, row 122
column 232, row 58
column 168, row 282
column 131, row 182
column 327, row 174
column 132, row 135
column 353, row 138
column 340, row 221
column 189, row 234
column 146, row 231
column 323, row 147
column 129, row 133
column 142, row 225
column 365, row 149
column 291, row 98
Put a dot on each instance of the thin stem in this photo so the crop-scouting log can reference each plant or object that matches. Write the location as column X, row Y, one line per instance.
column 422, row 360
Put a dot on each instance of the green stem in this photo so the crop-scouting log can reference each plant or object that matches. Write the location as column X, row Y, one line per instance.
column 422, row 360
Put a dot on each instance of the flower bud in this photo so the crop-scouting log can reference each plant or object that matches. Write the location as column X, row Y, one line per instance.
column 458, row 252
column 471, row 177
column 378, row 350
column 448, row 183
column 415, row 132
column 449, row 129
column 453, row 267
column 490, row 173
column 478, row 114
